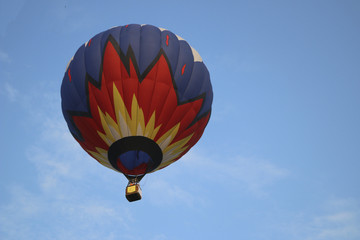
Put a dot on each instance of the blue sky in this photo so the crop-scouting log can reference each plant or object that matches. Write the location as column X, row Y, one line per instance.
column 279, row 159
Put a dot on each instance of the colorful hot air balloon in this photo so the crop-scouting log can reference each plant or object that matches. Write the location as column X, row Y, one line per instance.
column 136, row 98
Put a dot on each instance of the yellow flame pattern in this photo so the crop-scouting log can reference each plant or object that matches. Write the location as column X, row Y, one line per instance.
column 133, row 124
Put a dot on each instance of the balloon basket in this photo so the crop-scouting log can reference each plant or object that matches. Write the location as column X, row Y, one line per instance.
column 133, row 192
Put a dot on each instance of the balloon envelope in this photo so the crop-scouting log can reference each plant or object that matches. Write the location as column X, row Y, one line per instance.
column 136, row 98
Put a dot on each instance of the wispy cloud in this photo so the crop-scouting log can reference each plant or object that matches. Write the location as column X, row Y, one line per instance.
column 334, row 219
column 181, row 184
column 16, row 215
column 11, row 92
column 341, row 220
column 252, row 174
column 32, row 215
column 164, row 193
column 64, row 201
column 160, row 237
column 4, row 57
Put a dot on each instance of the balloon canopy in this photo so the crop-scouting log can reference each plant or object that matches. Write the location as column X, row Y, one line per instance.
column 136, row 98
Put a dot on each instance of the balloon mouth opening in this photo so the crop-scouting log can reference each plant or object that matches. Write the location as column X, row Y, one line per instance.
column 135, row 156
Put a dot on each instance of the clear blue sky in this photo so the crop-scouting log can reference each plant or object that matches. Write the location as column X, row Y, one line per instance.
column 280, row 158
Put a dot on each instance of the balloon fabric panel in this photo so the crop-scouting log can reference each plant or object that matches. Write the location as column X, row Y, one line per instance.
column 136, row 81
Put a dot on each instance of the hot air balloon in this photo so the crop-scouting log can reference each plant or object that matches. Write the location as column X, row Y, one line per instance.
column 136, row 98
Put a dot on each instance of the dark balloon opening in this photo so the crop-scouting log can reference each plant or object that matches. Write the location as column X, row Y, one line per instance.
column 135, row 156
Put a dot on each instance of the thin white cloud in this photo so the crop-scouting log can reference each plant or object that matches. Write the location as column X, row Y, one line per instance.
column 332, row 220
column 61, row 194
column 11, row 92
column 338, row 222
column 25, row 202
column 31, row 215
column 15, row 218
column 4, row 57
column 65, row 194
column 160, row 237
column 181, row 184
column 165, row 193
column 252, row 174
